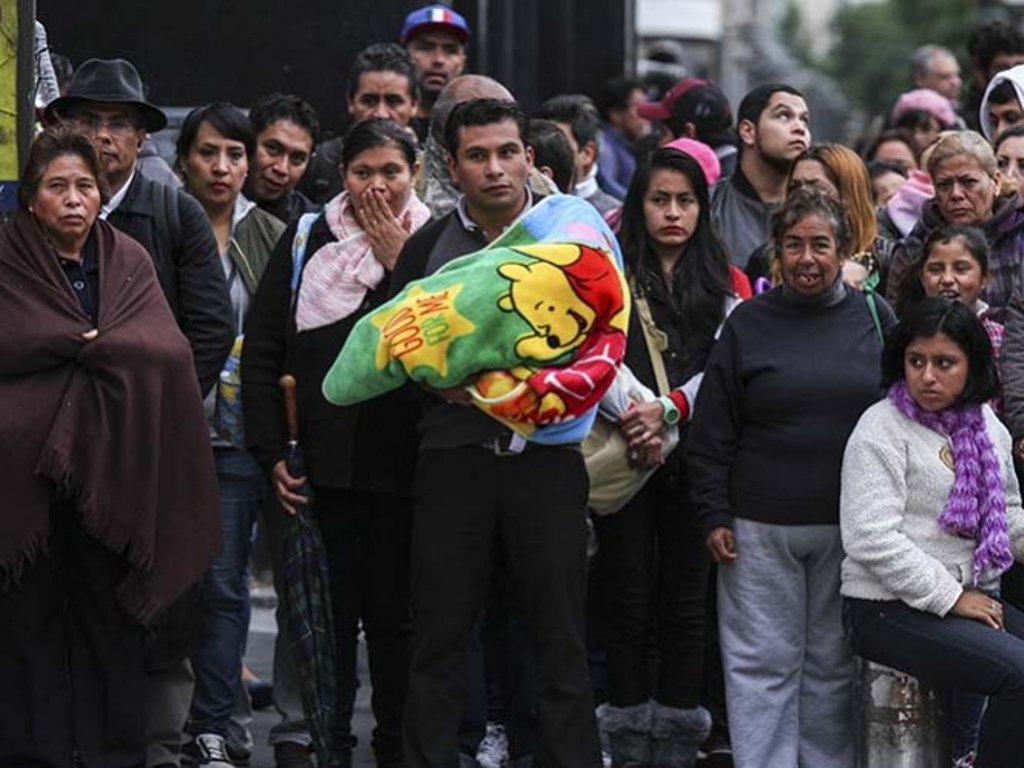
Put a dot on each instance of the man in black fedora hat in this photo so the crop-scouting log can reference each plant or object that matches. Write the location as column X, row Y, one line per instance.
column 105, row 101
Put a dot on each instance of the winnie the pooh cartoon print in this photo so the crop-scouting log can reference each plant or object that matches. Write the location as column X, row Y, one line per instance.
column 532, row 325
column 562, row 296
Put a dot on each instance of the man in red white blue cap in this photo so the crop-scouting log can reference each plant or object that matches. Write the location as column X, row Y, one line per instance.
column 435, row 37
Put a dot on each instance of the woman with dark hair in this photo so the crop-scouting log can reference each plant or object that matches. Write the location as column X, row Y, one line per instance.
column 894, row 146
column 930, row 513
column 886, row 179
column 109, row 487
column 1009, row 147
column 954, row 265
column 327, row 271
column 784, row 385
column 214, row 148
column 924, row 114
column 654, row 567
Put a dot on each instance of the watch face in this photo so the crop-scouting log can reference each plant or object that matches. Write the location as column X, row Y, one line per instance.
column 671, row 415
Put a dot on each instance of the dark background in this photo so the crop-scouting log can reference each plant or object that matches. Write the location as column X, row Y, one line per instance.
column 191, row 52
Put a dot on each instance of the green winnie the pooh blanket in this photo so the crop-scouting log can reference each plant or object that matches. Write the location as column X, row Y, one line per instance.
column 536, row 320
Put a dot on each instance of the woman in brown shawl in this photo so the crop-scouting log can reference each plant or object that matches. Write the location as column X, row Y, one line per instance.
column 109, row 506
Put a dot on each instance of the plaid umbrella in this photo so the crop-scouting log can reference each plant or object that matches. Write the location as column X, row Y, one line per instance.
column 307, row 602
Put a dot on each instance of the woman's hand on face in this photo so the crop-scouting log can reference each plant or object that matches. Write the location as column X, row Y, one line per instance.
column 642, row 422
column 722, row 545
column 386, row 232
column 978, row 606
column 286, row 487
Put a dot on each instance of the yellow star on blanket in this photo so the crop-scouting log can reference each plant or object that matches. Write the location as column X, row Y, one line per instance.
column 420, row 330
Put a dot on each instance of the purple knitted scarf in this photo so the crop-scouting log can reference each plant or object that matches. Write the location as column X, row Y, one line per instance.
column 976, row 508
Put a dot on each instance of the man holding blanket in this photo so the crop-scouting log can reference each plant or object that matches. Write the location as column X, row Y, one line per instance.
column 479, row 485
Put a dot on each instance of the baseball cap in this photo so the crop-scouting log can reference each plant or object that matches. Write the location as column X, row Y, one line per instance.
column 436, row 16
column 694, row 101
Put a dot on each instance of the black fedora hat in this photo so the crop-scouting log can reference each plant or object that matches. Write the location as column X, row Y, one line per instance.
column 109, row 81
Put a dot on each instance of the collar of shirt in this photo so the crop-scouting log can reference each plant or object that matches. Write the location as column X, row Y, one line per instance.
column 471, row 226
column 242, row 207
column 115, row 199
column 588, row 186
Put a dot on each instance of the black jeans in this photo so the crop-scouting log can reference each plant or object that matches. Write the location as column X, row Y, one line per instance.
column 500, row 675
column 367, row 540
column 955, row 653
column 655, row 584
column 467, row 501
column 71, row 659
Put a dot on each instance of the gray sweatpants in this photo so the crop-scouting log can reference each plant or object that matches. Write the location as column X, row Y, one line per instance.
column 788, row 666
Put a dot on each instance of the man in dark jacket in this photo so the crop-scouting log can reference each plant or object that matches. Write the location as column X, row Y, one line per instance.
column 381, row 84
column 774, row 126
column 577, row 116
column 105, row 101
column 478, row 486
column 696, row 109
column 287, row 130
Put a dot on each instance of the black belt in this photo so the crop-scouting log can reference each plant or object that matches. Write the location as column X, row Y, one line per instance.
column 508, row 445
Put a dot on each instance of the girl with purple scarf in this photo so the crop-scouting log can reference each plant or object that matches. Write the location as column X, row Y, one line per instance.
column 930, row 515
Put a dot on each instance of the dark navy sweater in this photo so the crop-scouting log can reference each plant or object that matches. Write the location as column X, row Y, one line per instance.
column 782, row 390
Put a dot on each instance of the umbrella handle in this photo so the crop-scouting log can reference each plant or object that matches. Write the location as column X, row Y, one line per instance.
column 291, row 412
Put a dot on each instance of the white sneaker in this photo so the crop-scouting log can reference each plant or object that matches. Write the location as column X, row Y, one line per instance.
column 493, row 750
column 208, row 750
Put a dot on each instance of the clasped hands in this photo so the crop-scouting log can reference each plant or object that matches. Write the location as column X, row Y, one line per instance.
column 642, row 425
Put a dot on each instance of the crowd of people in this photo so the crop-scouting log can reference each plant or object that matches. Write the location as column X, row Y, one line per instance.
column 826, row 367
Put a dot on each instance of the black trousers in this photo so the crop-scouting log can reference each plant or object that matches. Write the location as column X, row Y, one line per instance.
column 367, row 540
column 500, row 675
column 467, row 501
column 71, row 659
column 956, row 653
column 655, row 584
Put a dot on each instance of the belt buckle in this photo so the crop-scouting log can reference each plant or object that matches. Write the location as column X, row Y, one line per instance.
column 515, row 446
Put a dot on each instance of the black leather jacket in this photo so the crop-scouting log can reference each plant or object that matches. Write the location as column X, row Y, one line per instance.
column 174, row 230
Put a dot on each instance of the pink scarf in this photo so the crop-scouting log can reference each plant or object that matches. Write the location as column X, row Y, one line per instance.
column 338, row 276
column 976, row 508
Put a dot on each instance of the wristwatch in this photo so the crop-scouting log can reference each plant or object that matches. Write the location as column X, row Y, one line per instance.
column 671, row 413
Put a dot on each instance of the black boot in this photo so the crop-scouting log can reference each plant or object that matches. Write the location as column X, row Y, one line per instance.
column 628, row 730
column 676, row 735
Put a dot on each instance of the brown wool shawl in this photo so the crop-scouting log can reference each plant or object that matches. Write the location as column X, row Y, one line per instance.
column 115, row 424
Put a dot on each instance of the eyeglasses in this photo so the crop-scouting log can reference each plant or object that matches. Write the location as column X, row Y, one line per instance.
column 95, row 123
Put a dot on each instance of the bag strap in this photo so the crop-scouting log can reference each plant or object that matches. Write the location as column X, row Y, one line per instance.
column 657, row 341
column 299, row 247
column 869, row 296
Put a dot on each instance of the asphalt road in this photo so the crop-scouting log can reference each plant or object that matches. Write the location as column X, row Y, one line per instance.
column 259, row 658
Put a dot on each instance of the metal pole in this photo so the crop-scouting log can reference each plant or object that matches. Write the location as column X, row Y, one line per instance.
column 17, row 95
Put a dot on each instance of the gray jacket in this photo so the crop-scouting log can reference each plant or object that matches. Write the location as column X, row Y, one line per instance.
column 740, row 219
